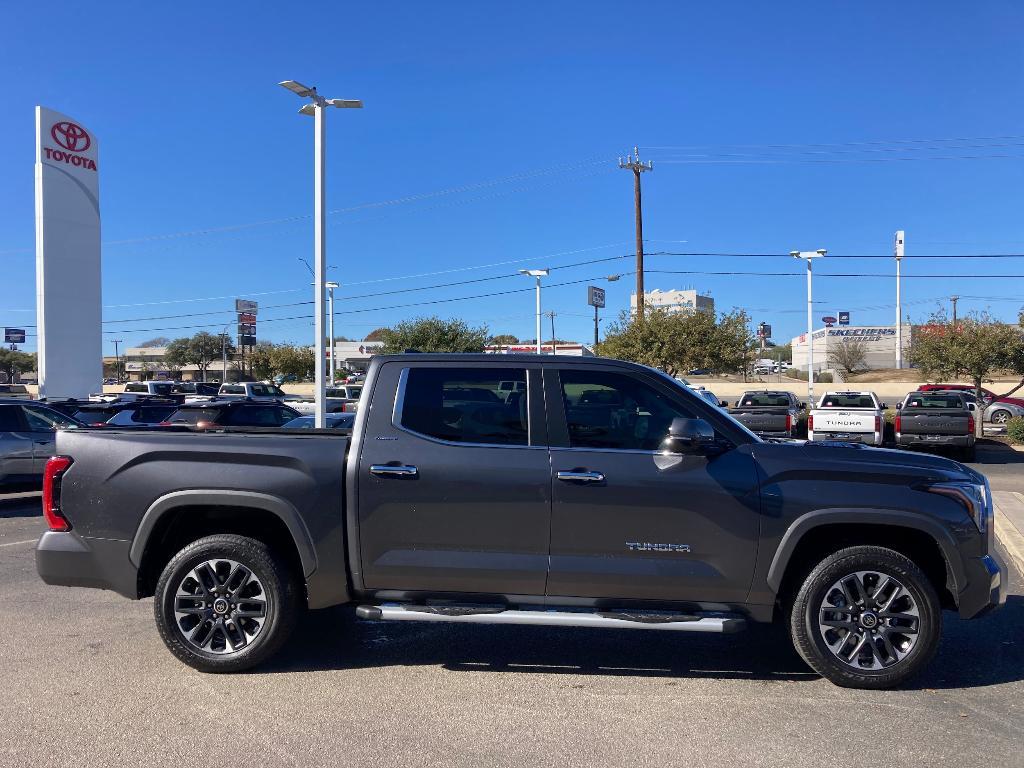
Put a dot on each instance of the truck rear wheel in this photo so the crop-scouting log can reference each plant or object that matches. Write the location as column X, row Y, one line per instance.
column 866, row 617
column 225, row 603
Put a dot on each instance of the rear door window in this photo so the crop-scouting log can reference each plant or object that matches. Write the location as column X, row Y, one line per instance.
column 9, row 420
column 466, row 405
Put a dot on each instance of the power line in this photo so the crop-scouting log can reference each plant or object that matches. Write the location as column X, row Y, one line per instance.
column 845, row 143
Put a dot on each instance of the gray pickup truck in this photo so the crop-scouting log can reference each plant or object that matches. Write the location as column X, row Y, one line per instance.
column 597, row 493
column 769, row 413
column 936, row 420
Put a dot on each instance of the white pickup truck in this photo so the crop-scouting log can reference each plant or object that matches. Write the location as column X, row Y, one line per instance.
column 850, row 417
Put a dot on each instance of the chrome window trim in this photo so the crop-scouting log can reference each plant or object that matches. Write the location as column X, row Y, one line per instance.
column 396, row 419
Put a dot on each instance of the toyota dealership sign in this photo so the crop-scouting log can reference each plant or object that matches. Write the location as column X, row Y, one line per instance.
column 68, row 313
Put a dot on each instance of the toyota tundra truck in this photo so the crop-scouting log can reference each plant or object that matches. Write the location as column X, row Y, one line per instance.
column 936, row 421
column 850, row 417
column 769, row 413
column 593, row 494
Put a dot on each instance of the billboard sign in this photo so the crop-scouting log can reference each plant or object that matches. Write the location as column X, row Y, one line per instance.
column 14, row 335
column 247, row 334
column 844, row 318
column 244, row 305
column 68, row 290
column 247, row 317
column 595, row 296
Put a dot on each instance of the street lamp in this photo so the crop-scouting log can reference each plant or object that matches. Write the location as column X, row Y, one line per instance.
column 610, row 279
column 537, row 274
column 315, row 108
column 809, row 257
column 330, row 313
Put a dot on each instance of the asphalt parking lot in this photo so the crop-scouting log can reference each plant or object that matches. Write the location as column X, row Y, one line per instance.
column 88, row 682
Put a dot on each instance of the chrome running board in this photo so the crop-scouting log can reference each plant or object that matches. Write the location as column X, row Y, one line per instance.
column 467, row 614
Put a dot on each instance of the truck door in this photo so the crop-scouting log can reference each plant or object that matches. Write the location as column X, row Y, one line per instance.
column 629, row 522
column 453, row 484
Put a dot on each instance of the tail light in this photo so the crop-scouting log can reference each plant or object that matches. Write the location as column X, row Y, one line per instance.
column 56, row 466
column 878, row 423
column 789, row 422
column 970, row 424
column 898, row 424
column 207, row 425
column 810, row 423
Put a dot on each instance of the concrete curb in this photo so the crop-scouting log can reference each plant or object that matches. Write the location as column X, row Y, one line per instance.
column 1008, row 535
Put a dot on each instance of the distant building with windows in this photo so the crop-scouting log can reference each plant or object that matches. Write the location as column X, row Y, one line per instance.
column 675, row 301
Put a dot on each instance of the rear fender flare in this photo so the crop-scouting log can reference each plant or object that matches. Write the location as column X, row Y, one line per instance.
column 245, row 499
column 894, row 517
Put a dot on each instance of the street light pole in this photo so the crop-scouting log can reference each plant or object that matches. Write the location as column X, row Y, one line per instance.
column 117, row 360
column 809, row 256
column 899, row 319
column 330, row 310
column 316, row 109
column 537, row 274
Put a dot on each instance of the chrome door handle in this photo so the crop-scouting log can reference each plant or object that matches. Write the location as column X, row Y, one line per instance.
column 394, row 470
column 572, row 476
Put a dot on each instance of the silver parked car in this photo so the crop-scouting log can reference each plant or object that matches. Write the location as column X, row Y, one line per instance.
column 27, row 440
column 996, row 412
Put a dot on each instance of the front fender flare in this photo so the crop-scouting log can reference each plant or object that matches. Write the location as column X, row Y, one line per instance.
column 894, row 517
column 224, row 498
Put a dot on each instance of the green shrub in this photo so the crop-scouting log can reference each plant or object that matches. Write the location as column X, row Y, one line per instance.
column 820, row 378
column 1015, row 430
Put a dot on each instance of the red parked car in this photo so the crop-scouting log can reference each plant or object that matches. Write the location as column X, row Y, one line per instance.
column 986, row 393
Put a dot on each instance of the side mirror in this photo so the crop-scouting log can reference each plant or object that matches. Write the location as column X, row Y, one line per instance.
column 883, row 406
column 724, row 403
column 898, row 406
column 972, row 407
column 803, row 406
column 691, row 436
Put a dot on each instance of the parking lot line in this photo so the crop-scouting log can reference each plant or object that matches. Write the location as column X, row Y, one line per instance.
column 16, row 543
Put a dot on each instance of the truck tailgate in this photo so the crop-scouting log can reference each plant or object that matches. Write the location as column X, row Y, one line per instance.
column 843, row 421
column 762, row 421
column 938, row 423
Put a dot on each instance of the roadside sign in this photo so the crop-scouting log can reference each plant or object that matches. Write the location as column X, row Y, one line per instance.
column 595, row 296
column 764, row 331
column 828, row 320
column 844, row 318
column 14, row 335
column 244, row 305
column 248, row 318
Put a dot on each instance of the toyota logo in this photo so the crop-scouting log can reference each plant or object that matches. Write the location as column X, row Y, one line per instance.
column 71, row 136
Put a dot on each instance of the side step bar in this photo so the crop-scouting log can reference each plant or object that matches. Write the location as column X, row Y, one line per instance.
column 666, row 622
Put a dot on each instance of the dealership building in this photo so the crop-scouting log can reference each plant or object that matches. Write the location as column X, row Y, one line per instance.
column 687, row 300
column 879, row 342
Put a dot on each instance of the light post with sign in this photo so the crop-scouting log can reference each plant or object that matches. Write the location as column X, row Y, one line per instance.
column 595, row 298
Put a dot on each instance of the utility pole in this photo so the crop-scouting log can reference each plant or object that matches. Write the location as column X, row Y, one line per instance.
column 633, row 163
column 117, row 360
column 551, row 315
column 224, row 357
column 954, row 299
column 898, row 253
column 330, row 302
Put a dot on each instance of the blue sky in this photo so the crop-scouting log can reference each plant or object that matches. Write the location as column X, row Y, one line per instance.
column 489, row 141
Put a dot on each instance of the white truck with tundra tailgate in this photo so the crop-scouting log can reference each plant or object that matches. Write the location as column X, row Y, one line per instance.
column 849, row 417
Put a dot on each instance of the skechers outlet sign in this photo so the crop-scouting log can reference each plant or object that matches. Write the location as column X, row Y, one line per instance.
column 867, row 334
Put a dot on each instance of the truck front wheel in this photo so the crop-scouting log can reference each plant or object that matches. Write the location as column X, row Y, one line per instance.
column 225, row 603
column 866, row 617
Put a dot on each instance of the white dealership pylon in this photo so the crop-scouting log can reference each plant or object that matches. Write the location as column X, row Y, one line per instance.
column 68, row 286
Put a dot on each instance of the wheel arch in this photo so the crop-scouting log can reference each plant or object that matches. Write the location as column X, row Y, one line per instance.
column 182, row 516
column 816, row 534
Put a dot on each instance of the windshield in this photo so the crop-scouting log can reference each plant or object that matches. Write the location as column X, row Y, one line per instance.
column 846, row 400
column 934, row 400
column 765, row 399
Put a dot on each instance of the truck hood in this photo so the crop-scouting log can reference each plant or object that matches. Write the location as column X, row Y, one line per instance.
column 848, row 457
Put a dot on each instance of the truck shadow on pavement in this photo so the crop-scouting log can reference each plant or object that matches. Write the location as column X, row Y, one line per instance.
column 972, row 654
column 20, row 505
column 996, row 452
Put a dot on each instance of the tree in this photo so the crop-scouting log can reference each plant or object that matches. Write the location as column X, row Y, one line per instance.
column 432, row 334
column 292, row 360
column 159, row 341
column 503, row 340
column 676, row 342
column 976, row 345
column 376, row 335
column 849, row 356
column 199, row 350
column 13, row 362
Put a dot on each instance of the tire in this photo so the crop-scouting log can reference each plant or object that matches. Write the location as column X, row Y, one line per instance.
column 226, row 603
column 999, row 416
column 885, row 656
